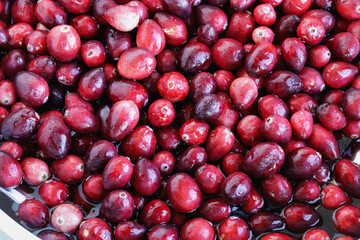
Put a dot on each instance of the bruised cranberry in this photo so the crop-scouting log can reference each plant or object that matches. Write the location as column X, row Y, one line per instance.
column 94, row 228
column 63, row 43
column 261, row 59
column 11, row 172
column 129, row 230
column 347, row 174
column 54, row 192
column 197, row 228
column 265, row 221
column 117, row 173
column 277, row 189
column 234, row 228
column 300, row 217
column 33, row 213
column 66, row 217
column 183, row 192
column 307, row 191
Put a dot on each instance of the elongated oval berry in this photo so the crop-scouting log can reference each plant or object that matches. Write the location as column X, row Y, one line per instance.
column 122, row 17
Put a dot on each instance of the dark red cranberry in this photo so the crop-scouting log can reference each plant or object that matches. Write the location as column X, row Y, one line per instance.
column 230, row 188
column 285, row 27
column 283, row 83
column 261, row 59
column 214, row 210
column 208, row 107
column 51, row 235
column 14, row 61
column 219, row 143
column 209, row 178
column 302, row 102
column 168, row 138
column 347, row 174
column 50, row 14
column 43, row 66
column 201, row 84
column 33, row 213
column 234, row 228
column 129, row 230
column 117, row 173
column 99, row 154
column 323, row 174
column 319, row 56
column 191, row 158
column 294, row 53
column 146, row 178
column 213, row 15
column 117, row 42
column 197, row 228
column 85, row 25
column 117, row 206
column 277, row 189
column 163, row 232
column 94, row 228
column 307, row 191
column 195, row 57
column 265, row 221
column 155, row 213
column 66, row 217
column 166, row 61
column 300, row 217
column 295, row 7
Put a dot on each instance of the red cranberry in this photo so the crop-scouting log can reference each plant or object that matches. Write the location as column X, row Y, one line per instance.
column 36, row 43
column 168, row 138
column 191, row 158
column 63, row 43
column 243, row 92
column 50, row 14
column 146, row 178
column 93, row 188
column 323, row 174
column 333, row 197
column 161, row 113
column 183, row 192
column 150, row 36
column 219, row 143
column 311, row 30
column 347, row 174
column 117, row 42
column 173, row 86
column 262, row 34
column 122, row 17
column 295, row 7
column 11, row 172
column 214, row 210
column 265, row 14
column 93, row 53
column 165, row 162
column 292, row 145
column 68, row 74
column 265, row 221
column 347, row 220
column 350, row 103
column 234, row 228
column 66, row 217
column 300, row 217
column 254, row 203
column 241, row 26
column 141, row 8
column 349, row 10
column 43, row 66
column 85, row 25
column 154, row 213
column 33, row 213
column 276, row 129
column 302, row 102
column 339, row 74
column 249, row 130
column 261, row 59
column 209, row 178
column 331, row 116
column 318, row 56
column 69, row 169
column 166, row 61
column 197, row 228
column 117, row 206
column 94, row 228
column 227, row 53
column 117, row 173
column 194, row 132
column 230, row 188
column 223, row 80
column 35, row 170
column 163, row 232
column 17, row 35
column 302, row 124
column 76, row 7
column 283, row 83
column 307, row 191
column 213, row 15
column 209, row 107
column 129, row 230
column 194, row 57
column 13, row 148
column 173, row 27
column 277, row 189
column 312, row 80
column 7, row 93
column 51, row 235
column 54, row 193
column 315, row 234
column 99, row 154
column 294, row 53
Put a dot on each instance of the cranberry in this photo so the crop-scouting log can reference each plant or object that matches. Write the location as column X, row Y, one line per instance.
column 277, row 236
column 13, row 148
column 339, row 74
column 243, row 92
column 117, row 206
column 68, row 74
column 17, row 35
column 99, row 154
column 311, row 30
column 183, row 192
column 234, row 228
column 66, row 217
column 117, row 42
column 69, row 169
column 13, row 62
column 277, row 189
column 348, row 9
column 194, row 57
column 154, row 213
column 51, row 235
column 347, row 220
column 263, row 34
column 146, row 178
column 128, row 14
column 151, row 36
column 295, row 7
column 85, row 25
column 277, row 129
column 54, row 193
column 163, row 231
column 300, row 102
column 93, row 187
column 173, row 27
column 168, row 138
column 161, row 113
column 33, row 213
column 35, row 170
column 285, row 27
column 254, row 203
column 129, row 230
column 347, row 173
column 302, row 124
column 283, row 83
column 63, row 43
column 349, row 103
column 261, row 59
column 265, row 221
column 7, row 93
column 307, row 191
column 317, row 234
column 230, row 188
column 332, row 197
column 11, row 172
column 300, row 217
column 241, row 26
column 94, row 228
column 214, row 210
column 219, row 143
column 319, row 56
column 249, row 130
column 141, row 9
column 228, row 53
column 265, row 14
column 165, row 162
column 117, row 173
column 197, row 228
column 173, row 86
column 191, row 158
column 166, row 61
column 294, row 53
column 209, row 178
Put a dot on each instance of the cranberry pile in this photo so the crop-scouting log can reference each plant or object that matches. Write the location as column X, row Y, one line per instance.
column 181, row 119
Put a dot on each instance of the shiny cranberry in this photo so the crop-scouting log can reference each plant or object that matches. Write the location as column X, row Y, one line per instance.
column 51, row 235
column 285, row 27
column 214, row 210
column 197, row 228
column 146, row 178
column 99, row 154
column 117, row 173
column 166, row 61
column 50, row 14
column 277, row 189
column 100, row 7
column 295, row 7
column 302, row 102
column 277, row 236
column 347, row 220
column 183, row 192
column 265, row 221
column 54, row 193
column 11, row 172
column 243, row 92
column 311, row 30
column 165, row 162
column 94, row 228
column 234, row 228
column 168, row 138
column 227, row 53
column 241, row 26
column 85, row 25
column 347, row 173
column 219, row 143
column 129, row 230
column 154, row 213
column 93, row 53
column 35, row 170
column 208, row 107
column 302, row 124
column 276, row 129
column 229, row 117
column 36, row 43
column 352, row 129
column 307, row 191
column 331, row 116
column 161, row 113
column 213, row 15
column 348, row 9
column 93, row 188
column 333, row 96
column 294, row 53
column 17, row 34
column 191, row 158
column 173, row 86
column 333, row 197
column 312, row 80
column 33, row 213
column 339, row 74
column 315, row 234
column 283, row 83
column 263, row 34
column 230, row 186
column 13, row 62
column 66, row 217
column 117, row 206
column 68, row 74
column 350, row 103
column 128, row 14
column 128, row 90
column 76, row 7
column 261, row 59
column 265, row 14
column 173, row 27
column 81, row 120
column 13, row 148
column 300, row 217
column 194, row 132
column 209, row 178
column 150, row 36
column 254, row 203
column 194, row 57
column 249, row 130
column 7, row 93
column 43, row 66
column 318, row 56
column 69, row 169
column 163, row 232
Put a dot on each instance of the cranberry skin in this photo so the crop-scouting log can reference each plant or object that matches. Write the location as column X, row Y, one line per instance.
column 348, row 10
column 13, row 62
column 197, row 228
column 117, row 173
column 93, row 188
column 243, row 92
column 352, row 129
column 155, row 213
column 173, row 86
column 163, row 232
column 92, row 84
column 11, row 171
column 312, row 81
column 302, row 124
column 136, row 63
column 249, row 130
column 117, row 206
column 345, row 238
column 74, row 100
column 214, row 210
column 54, row 137
column 194, row 57
column 333, row 96
column 347, row 174
column 161, row 113
column 85, row 25
column 76, row 7
column 36, row 43
column 139, row 143
column 219, row 143
column 300, row 217
column 191, row 158
column 69, row 169
column 307, row 191
column 213, row 15
column 234, row 228
column 24, row 11
column 326, row 17
column 122, row 17
column 207, row 34
column 33, row 213
column 81, row 120
column 331, row 116
column 315, row 234
column 263, row 160
column 277, row 236
column 294, row 53
column 231, row 163
column 347, row 220
column 63, row 43
column 165, row 162
column 302, row 102
column 223, row 80
column 66, row 217
column 261, row 59
column 272, row 105
column 174, row 28
column 123, row 117
column 354, row 28
column 311, row 30
column 51, row 235
column 194, row 132
column 13, row 148
column 265, row 14
column 262, row 34
column 50, row 14
column 7, row 93
column 241, row 5
column 350, row 104
column 94, row 228
column 20, row 124
column 265, row 221
column 285, row 27
column 142, row 9
column 54, row 192
column 129, row 230
column 183, row 192
column 68, row 74
column 254, row 203
column 276, row 129
column 100, row 7
column 98, row 155
column 295, row 7
column 17, row 35
column 166, row 61
column 318, row 56
column 150, row 36
column 283, row 83
column 228, row 53
column 44, row 66
column 168, row 138
column 277, row 189
column 116, row 42
column 339, row 74
column 35, row 170
column 333, row 197
column 209, row 107
column 93, row 53
column 146, row 178
column 235, row 188
column 209, row 178
column 241, row 26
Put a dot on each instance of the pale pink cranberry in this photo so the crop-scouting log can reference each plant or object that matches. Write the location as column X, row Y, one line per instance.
column 66, row 218
column 35, row 170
